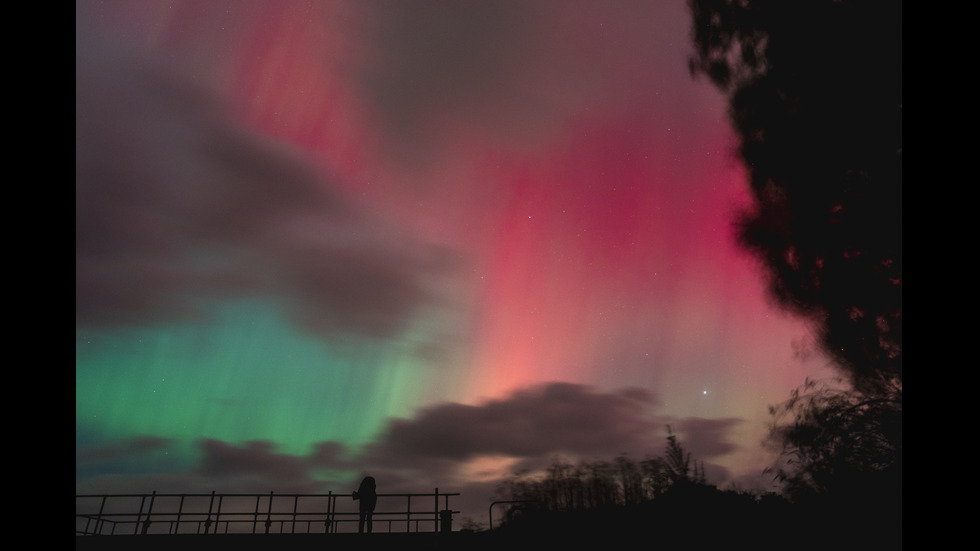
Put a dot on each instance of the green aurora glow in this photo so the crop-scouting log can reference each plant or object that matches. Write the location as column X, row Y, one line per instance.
column 247, row 375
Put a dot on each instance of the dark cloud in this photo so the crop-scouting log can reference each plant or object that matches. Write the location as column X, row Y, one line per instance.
column 552, row 418
column 706, row 438
column 125, row 450
column 454, row 447
column 175, row 201
column 330, row 455
column 253, row 458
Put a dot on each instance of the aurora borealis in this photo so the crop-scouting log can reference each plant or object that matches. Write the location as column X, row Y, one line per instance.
column 433, row 241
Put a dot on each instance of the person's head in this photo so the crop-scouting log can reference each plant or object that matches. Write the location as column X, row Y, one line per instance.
column 368, row 483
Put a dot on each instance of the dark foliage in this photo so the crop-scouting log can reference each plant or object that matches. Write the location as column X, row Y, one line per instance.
column 815, row 97
column 831, row 438
column 841, row 457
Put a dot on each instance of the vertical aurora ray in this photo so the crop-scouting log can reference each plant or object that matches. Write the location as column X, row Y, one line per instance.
column 246, row 375
column 590, row 271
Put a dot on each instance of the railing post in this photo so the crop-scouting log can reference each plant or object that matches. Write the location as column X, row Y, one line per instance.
column 268, row 517
column 139, row 515
column 207, row 523
column 98, row 522
column 149, row 511
column 408, row 515
column 295, row 506
column 180, row 510
column 435, row 510
column 217, row 515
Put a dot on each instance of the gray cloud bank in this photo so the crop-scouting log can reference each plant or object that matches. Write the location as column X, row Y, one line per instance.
column 434, row 449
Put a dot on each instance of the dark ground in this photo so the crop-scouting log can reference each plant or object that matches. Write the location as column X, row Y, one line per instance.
column 293, row 542
column 707, row 538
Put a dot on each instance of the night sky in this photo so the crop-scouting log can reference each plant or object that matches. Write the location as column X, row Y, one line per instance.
column 434, row 242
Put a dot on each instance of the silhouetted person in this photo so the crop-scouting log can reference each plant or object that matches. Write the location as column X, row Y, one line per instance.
column 368, row 496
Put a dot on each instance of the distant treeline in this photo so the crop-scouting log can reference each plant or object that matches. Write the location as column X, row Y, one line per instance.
column 590, row 485
column 590, row 502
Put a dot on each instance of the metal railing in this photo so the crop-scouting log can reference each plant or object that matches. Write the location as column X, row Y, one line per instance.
column 256, row 513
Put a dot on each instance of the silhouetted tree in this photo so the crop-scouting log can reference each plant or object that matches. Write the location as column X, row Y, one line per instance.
column 656, row 476
column 595, row 503
column 678, row 463
column 841, row 462
column 815, row 98
column 597, row 485
column 834, row 441
column 602, row 488
column 630, row 480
